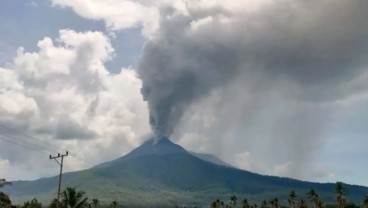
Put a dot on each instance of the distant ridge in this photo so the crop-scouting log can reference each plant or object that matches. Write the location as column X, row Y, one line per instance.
column 160, row 171
column 210, row 158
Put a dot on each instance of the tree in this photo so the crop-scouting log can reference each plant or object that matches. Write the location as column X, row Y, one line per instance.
column 5, row 201
column 340, row 198
column 54, row 202
column 217, row 204
column 233, row 199
column 302, row 204
column 71, row 198
column 275, row 203
column 114, row 204
column 245, row 203
column 96, row 203
column 365, row 201
column 264, row 204
column 292, row 197
column 32, row 204
column 319, row 202
column 313, row 197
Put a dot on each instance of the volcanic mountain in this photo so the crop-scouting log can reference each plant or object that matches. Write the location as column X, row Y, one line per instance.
column 160, row 172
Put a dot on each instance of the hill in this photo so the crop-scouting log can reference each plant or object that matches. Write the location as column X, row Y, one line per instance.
column 161, row 172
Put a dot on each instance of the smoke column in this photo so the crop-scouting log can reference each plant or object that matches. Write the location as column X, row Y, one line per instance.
column 201, row 47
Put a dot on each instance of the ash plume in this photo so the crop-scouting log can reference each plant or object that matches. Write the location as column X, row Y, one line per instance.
column 314, row 45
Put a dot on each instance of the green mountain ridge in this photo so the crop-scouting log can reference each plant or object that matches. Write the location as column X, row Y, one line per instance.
column 163, row 173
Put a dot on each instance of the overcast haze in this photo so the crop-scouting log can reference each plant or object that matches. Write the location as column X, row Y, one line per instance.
column 274, row 87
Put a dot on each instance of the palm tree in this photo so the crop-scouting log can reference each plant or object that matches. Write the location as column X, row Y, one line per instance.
column 95, row 203
column 55, row 204
column 72, row 198
column 313, row 197
column 114, row 204
column 264, row 204
column 292, row 197
column 32, row 204
column 214, row 204
column 319, row 202
column 275, row 203
column 340, row 198
column 233, row 199
column 245, row 203
column 365, row 201
column 302, row 204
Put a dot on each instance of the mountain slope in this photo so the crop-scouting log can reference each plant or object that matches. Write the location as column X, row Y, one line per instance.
column 210, row 158
column 161, row 171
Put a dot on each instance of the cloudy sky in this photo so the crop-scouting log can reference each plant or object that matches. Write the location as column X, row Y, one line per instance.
column 278, row 87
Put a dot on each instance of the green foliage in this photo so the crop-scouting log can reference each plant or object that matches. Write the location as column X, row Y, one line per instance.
column 32, row 204
column 291, row 200
column 5, row 201
column 95, row 203
column 54, row 204
column 302, row 204
column 233, row 199
column 365, row 201
column 217, row 204
column 264, row 204
column 340, row 192
column 245, row 203
column 315, row 199
column 114, row 204
column 72, row 198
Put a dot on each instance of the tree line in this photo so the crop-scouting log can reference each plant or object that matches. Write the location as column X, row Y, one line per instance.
column 70, row 198
column 73, row 198
column 313, row 200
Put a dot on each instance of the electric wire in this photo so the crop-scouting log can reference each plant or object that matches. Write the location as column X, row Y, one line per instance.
column 24, row 140
column 2, row 138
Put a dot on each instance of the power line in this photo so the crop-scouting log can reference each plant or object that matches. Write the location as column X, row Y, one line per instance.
column 20, row 136
column 32, row 145
column 22, row 145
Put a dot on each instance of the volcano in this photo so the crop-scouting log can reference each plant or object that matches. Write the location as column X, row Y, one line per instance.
column 160, row 172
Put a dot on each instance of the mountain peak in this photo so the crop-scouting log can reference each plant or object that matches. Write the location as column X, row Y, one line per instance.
column 155, row 146
column 162, row 140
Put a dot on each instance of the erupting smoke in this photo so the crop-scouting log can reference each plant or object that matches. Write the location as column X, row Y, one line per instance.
column 314, row 45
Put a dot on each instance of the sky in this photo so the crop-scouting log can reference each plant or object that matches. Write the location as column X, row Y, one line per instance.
column 274, row 87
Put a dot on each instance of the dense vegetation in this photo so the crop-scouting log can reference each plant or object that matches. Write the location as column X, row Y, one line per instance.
column 73, row 198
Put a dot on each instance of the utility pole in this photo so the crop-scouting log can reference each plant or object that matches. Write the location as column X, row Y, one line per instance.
column 61, row 172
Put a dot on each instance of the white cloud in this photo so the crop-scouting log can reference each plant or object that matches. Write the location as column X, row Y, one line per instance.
column 65, row 86
column 117, row 14
column 64, row 96
column 123, row 14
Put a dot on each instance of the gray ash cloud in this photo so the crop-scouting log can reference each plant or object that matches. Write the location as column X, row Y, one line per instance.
column 315, row 45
